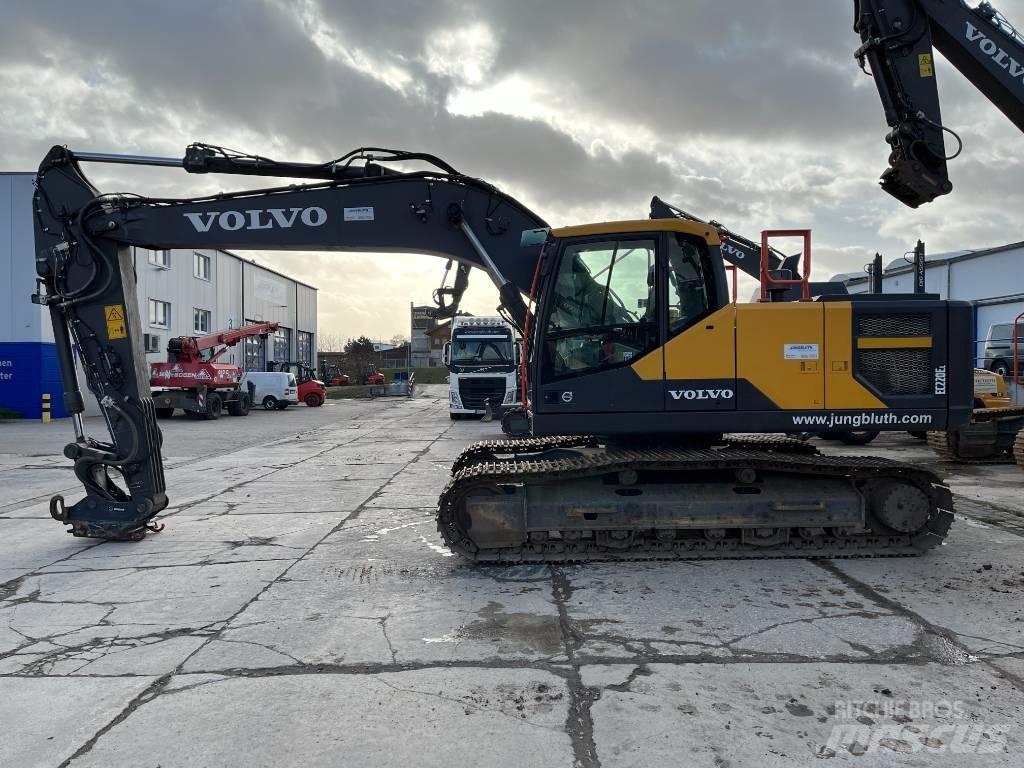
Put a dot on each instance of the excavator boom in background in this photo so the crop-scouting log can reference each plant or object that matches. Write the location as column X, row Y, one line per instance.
column 897, row 50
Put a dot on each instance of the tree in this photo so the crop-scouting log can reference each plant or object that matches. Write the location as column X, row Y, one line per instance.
column 328, row 342
column 360, row 355
column 399, row 339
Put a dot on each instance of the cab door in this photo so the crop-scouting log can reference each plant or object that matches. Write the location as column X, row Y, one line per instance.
column 601, row 316
column 700, row 351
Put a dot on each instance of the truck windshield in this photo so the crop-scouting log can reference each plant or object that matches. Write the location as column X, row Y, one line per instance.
column 481, row 349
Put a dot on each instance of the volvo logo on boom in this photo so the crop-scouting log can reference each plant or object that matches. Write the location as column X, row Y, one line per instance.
column 991, row 49
column 702, row 394
column 258, row 218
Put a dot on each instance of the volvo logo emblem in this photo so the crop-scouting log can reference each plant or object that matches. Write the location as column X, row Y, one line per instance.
column 567, row 397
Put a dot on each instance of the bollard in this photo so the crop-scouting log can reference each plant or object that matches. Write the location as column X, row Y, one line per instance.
column 46, row 407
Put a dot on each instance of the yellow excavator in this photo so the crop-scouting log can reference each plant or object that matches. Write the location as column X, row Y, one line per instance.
column 637, row 366
column 644, row 387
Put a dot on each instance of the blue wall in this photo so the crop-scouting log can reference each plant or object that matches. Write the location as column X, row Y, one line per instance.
column 27, row 370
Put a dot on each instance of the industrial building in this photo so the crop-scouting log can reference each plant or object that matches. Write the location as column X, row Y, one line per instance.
column 990, row 278
column 181, row 292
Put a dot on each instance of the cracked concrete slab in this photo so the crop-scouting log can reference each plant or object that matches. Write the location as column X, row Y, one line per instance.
column 803, row 714
column 431, row 717
column 47, row 719
column 328, row 611
column 779, row 609
column 972, row 587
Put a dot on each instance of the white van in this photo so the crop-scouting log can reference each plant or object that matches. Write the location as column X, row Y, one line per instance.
column 275, row 390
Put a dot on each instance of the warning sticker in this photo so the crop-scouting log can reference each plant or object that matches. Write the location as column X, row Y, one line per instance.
column 800, row 351
column 364, row 213
column 117, row 327
column 924, row 63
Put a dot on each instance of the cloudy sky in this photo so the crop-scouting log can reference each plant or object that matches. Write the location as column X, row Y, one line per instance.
column 751, row 113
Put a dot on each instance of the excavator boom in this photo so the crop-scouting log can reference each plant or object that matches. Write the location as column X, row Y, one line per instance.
column 897, row 50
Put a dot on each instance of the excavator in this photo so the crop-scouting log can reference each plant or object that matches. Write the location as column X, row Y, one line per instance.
column 897, row 49
column 651, row 404
column 637, row 366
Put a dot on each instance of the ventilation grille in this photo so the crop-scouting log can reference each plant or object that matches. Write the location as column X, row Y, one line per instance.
column 894, row 325
column 897, row 371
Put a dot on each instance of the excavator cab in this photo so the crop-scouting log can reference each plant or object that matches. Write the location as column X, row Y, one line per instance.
column 616, row 295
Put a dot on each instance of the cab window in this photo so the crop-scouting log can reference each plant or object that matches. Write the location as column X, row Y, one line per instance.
column 688, row 274
column 603, row 310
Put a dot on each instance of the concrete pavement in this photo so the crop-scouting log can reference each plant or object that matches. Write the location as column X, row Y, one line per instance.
column 300, row 609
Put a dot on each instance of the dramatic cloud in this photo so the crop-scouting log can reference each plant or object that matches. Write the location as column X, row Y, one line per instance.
column 751, row 113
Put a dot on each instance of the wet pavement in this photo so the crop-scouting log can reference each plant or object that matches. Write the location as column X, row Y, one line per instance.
column 300, row 609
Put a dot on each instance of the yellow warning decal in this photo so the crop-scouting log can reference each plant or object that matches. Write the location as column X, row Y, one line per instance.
column 924, row 62
column 116, row 328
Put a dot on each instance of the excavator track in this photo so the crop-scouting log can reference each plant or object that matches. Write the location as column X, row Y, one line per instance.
column 1018, row 449
column 917, row 507
column 509, row 449
column 988, row 439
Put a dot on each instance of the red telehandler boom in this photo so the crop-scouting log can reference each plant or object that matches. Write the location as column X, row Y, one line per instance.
column 195, row 382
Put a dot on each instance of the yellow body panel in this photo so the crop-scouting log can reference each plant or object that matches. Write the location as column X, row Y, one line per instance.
column 705, row 351
column 709, row 233
column 778, row 350
column 841, row 389
column 894, row 342
column 772, row 346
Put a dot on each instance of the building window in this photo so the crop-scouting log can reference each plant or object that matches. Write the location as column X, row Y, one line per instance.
column 151, row 342
column 159, row 313
column 202, row 266
column 160, row 259
column 304, row 341
column 254, row 349
column 201, row 320
column 282, row 345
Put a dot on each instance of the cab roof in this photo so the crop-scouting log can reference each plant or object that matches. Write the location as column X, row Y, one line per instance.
column 709, row 233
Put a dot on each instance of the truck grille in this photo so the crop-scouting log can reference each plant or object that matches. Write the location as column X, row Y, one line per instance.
column 897, row 371
column 475, row 391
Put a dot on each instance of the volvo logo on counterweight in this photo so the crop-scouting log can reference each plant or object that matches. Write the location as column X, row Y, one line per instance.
column 258, row 218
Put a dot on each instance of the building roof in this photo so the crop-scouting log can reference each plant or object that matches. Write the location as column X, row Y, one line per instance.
column 901, row 265
column 264, row 267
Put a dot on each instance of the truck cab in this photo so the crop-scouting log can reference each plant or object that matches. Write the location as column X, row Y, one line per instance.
column 482, row 359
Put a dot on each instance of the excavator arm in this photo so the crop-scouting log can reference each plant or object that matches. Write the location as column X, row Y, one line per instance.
column 897, row 49
column 86, row 274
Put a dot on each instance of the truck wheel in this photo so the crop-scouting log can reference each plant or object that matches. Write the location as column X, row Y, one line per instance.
column 1001, row 367
column 269, row 403
column 214, row 406
column 857, row 438
column 313, row 400
column 282, row 405
column 164, row 413
column 239, row 407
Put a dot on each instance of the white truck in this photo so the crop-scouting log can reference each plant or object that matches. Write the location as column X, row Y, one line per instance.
column 483, row 362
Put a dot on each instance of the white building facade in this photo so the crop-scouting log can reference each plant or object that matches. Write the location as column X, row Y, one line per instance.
column 181, row 292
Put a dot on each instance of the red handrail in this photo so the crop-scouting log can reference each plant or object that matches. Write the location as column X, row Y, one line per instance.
column 767, row 280
column 732, row 268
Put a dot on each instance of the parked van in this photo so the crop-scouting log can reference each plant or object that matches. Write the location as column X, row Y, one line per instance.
column 275, row 390
column 999, row 348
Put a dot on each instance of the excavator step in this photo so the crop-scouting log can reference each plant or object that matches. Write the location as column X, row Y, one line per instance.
column 727, row 502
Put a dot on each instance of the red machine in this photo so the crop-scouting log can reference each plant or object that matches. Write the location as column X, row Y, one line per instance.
column 195, row 382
